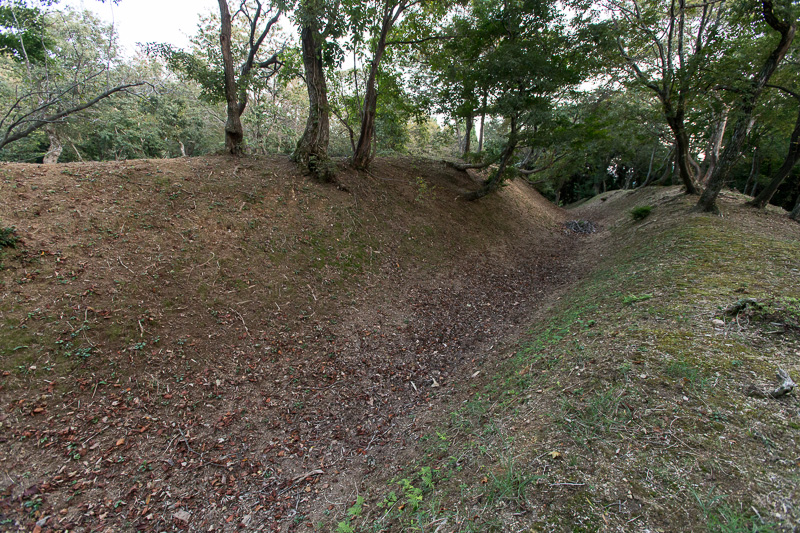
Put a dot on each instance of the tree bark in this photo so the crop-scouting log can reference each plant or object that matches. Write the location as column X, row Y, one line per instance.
column 792, row 156
column 496, row 180
column 715, row 144
column 483, row 121
column 234, row 133
column 752, row 178
column 733, row 149
column 675, row 119
column 467, row 135
column 363, row 154
column 56, row 147
column 795, row 214
column 312, row 149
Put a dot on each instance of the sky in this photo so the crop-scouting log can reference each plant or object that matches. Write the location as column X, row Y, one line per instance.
column 164, row 21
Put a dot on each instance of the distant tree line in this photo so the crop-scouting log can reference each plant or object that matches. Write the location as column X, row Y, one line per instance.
column 577, row 98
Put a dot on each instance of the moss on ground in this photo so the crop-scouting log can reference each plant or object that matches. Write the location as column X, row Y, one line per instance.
column 624, row 406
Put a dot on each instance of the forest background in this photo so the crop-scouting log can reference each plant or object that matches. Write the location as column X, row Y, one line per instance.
column 575, row 97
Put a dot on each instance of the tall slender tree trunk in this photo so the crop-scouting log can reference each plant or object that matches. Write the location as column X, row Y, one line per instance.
column 755, row 168
column 733, row 149
column 795, row 214
column 364, row 148
column 465, row 147
column 56, row 146
column 483, row 121
column 363, row 154
column 715, row 144
column 792, row 156
column 312, row 148
column 234, row 133
column 675, row 119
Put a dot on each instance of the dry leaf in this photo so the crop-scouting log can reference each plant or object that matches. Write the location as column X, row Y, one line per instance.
column 555, row 455
column 121, row 441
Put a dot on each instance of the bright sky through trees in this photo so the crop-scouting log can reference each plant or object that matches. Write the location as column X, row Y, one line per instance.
column 143, row 21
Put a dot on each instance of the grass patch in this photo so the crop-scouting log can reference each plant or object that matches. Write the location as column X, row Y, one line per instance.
column 641, row 212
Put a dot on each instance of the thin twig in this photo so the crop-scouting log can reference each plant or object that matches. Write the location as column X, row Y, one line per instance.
column 126, row 266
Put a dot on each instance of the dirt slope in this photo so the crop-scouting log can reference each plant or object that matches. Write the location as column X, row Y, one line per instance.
column 213, row 342
column 628, row 404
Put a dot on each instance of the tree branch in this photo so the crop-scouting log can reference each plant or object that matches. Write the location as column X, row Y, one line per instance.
column 784, row 89
column 38, row 123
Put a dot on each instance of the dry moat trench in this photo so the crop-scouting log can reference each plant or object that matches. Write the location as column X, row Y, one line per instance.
column 203, row 399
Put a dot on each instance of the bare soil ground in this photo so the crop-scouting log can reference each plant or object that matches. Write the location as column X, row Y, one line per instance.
column 215, row 344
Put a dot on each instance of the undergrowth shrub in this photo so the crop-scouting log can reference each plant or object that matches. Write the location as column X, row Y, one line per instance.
column 641, row 212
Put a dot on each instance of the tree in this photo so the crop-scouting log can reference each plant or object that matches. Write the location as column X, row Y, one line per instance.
column 786, row 28
column 792, row 156
column 666, row 46
column 72, row 68
column 523, row 59
column 235, row 85
column 319, row 25
column 242, row 36
column 390, row 11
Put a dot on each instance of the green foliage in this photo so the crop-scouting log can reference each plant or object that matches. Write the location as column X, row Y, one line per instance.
column 23, row 32
column 510, row 484
column 353, row 512
column 641, row 212
column 193, row 66
column 8, row 237
column 425, row 190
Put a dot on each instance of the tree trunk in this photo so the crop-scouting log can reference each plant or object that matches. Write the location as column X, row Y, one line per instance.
column 483, row 120
column 795, row 214
column 676, row 124
column 234, row 133
column 363, row 154
column 496, row 180
column 752, row 178
column 732, row 151
column 312, row 149
column 467, row 135
column 647, row 178
column 56, row 147
column 792, row 156
column 715, row 144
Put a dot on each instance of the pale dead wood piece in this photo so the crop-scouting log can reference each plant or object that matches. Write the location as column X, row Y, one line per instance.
column 785, row 386
column 307, row 474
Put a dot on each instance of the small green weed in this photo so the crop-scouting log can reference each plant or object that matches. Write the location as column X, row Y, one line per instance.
column 641, row 212
column 509, row 485
column 596, row 415
column 682, row 369
column 633, row 298
column 353, row 512
column 8, row 237
column 424, row 190
column 723, row 518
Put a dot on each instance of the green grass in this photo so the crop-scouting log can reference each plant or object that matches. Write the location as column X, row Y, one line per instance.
column 627, row 379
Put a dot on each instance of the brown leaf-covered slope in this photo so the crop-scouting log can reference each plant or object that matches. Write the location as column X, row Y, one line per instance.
column 222, row 342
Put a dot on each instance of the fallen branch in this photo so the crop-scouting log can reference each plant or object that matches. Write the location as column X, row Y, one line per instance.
column 785, row 386
column 740, row 305
column 470, row 166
